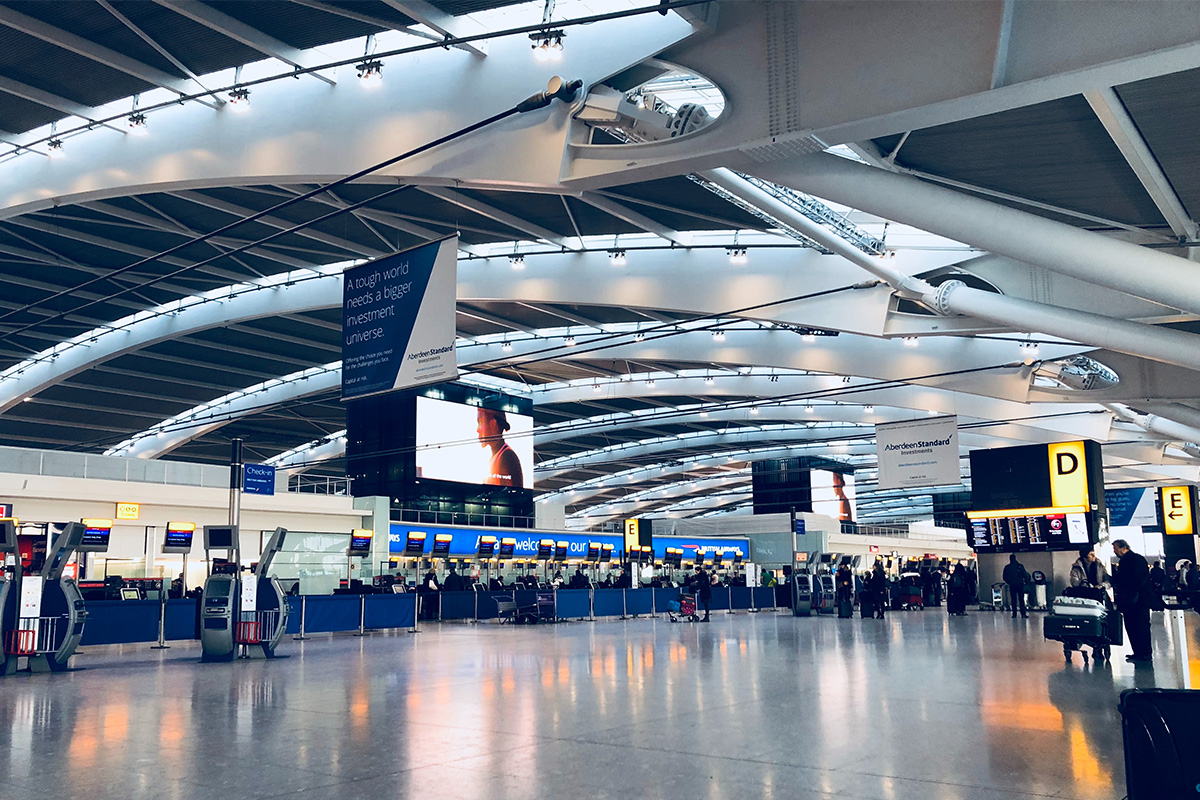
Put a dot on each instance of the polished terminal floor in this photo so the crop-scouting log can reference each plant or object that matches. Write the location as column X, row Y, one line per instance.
column 917, row 707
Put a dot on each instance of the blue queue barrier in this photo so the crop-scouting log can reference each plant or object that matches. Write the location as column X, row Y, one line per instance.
column 740, row 598
column 720, row 598
column 609, row 602
column 573, row 603
column 331, row 613
column 182, row 620
column 389, row 611
column 121, row 622
column 457, row 605
column 295, row 607
column 639, row 601
column 764, row 597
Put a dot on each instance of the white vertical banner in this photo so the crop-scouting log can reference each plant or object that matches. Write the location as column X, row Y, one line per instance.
column 922, row 452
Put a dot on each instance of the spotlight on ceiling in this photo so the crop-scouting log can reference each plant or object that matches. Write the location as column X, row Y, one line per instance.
column 55, row 148
column 569, row 341
column 809, row 409
column 239, row 99
column 517, row 262
column 137, row 123
column 370, row 72
column 547, row 45
column 737, row 255
column 506, row 346
column 718, row 336
column 617, row 258
column 709, row 380
column 911, row 341
column 869, row 409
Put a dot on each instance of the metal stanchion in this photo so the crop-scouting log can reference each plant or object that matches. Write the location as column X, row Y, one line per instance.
column 624, row 607
column 592, row 604
column 1179, row 634
column 303, row 614
column 162, row 618
column 362, row 615
column 753, row 607
column 416, row 615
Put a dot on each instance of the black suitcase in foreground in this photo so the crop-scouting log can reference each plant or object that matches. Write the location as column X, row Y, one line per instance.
column 866, row 605
column 1057, row 626
column 1162, row 743
column 845, row 609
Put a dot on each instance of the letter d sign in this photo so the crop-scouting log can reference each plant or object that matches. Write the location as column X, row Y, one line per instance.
column 1068, row 481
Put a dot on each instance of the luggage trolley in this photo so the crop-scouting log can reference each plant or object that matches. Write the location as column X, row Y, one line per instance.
column 1083, row 617
column 684, row 606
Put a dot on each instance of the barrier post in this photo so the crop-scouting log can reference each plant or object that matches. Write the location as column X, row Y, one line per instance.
column 162, row 618
column 1179, row 634
column 416, row 615
column 624, row 606
column 362, row 615
column 475, row 619
column 753, row 607
column 592, row 604
column 303, row 614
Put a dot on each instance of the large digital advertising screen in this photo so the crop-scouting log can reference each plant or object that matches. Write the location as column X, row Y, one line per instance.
column 468, row 444
column 833, row 495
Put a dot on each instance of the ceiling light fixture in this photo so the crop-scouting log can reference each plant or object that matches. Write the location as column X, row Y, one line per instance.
column 517, row 262
column 809, row 409
column 55, row 146
column 911, row 341
column 640, row 337
column 709, row 380
column 650, row 381
column 370, row 72
column 547, row 45
column 239, row 99
column 737, row 255
column 718, row 336
column 569, row 341
column 869, row 409
column 506, row 346
column 617, row 258
column 137, row 123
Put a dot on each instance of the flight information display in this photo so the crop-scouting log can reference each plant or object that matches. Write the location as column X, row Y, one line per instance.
column 1018, row 534
column 95, row 540
column 508, row 548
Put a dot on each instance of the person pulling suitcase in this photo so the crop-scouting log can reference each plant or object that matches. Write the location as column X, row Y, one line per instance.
column 1017, row 579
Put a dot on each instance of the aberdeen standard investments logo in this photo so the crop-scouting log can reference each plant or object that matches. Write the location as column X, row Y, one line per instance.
column 918, row 445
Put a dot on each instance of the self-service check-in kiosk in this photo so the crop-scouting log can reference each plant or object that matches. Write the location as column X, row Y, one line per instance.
column 44, row 614
column 249, row 610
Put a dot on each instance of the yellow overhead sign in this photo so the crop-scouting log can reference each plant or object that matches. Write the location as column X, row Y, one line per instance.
column 128, row 510
column 1177, row 510
column 1068, row 475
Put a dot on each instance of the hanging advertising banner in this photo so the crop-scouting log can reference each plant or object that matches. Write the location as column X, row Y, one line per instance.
column 398, row 320
column 921, row 452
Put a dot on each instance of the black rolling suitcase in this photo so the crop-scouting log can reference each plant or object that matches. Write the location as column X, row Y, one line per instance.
column 866, row 605
column 845, row 609
column 1162, row 743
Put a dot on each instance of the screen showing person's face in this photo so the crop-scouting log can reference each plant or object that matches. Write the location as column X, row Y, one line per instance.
column 457, row 442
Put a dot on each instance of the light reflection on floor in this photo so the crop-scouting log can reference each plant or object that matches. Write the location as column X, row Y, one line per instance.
column 915, row 706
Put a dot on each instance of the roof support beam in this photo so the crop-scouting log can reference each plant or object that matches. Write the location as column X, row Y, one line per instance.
column 503, row 217
column 626, row 214
column 251, row 37
column 1125, row 135
column 434, row 18
column 89, row 49
column 358, row 16
column 51, row 100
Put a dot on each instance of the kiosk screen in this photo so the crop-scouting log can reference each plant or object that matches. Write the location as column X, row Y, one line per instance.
column 130, row 593
column 593, row 551
column 560, row 551
column 487, row 546
column 414, row 545
column 545, row 549
column 441, row 544
column 219, row 537
column 508, row 548
column 606, row 552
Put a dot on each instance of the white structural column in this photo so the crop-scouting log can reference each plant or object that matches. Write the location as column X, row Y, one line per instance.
column 1125, row 135
column 1139, row 271
column 310, row 455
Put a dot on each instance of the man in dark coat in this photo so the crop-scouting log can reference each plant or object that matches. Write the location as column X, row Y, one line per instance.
column 454, row 581
column 1132, row 584
column 1017, row 578
column 703, row 585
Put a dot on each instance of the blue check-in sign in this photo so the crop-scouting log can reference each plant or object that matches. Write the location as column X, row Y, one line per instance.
column 258, row 479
